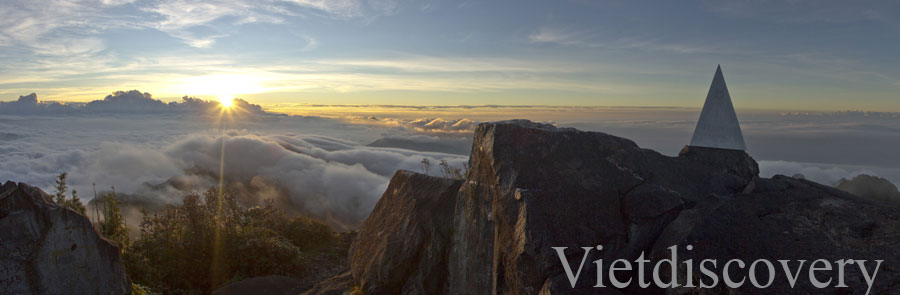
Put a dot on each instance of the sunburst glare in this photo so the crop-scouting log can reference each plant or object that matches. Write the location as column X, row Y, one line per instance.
column 226, row 101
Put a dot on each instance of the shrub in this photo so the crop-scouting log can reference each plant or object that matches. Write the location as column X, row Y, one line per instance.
column 306, row 233
column 112, row 226
column 210, row 240
column 60, row 196
column 257, row 251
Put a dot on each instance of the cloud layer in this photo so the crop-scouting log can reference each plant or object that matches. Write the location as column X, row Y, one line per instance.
column 160, row 152
column 336, row 168
column 121, row 102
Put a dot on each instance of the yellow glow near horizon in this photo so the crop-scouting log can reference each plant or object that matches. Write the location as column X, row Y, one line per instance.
column 223, row 86
column 226, row 101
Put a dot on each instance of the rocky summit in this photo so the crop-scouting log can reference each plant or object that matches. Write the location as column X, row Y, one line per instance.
column 531, row 187
column 48, row 249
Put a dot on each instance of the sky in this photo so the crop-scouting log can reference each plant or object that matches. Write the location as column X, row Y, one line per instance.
column 777, row 55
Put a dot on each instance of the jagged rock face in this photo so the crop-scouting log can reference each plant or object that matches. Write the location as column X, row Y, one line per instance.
column 271, row 285
column 340, row 284
column 532, row 186
column 401, row 246
column 48, row 249
column 787, row 218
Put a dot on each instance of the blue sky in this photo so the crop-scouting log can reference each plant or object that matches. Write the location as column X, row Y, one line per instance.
column 785, row 55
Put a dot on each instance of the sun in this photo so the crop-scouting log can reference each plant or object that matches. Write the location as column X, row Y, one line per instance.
column 223, row 86
column 226, row 101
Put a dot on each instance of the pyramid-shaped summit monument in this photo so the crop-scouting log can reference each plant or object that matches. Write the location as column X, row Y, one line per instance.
column 718, row 126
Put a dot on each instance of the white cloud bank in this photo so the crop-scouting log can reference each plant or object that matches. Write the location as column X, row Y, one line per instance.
column 337, row 168
column 333, row 179
column 161, row 152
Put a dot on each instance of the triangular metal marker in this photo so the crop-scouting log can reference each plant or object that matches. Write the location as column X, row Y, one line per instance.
column 718, row 126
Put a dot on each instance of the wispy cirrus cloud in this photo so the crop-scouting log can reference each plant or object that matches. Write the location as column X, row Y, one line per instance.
column 341, row 8
column 55, row 28
column 178, row 17
column 806, row 11
column 559, row 36
column 182, row 18
column 595, row 39
column 59, row 27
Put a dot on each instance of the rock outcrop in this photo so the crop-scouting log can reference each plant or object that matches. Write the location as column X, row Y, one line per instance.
column 403, row 244
column 48, row 249
column 871, row 187
column 270, row 285
column 533, row 186
column 341, row 284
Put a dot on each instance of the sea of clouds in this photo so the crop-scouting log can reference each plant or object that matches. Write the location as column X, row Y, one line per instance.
column 311, row 165
column 336, row 168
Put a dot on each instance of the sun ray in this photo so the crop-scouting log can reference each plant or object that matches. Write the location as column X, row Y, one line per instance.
column 226, row 101
column 223, row 121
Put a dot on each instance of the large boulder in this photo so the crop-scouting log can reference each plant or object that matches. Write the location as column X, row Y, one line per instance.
column 531, row 187
column 871, row 187
column 783, row 218
column 534, row 186
column 401, row 247
column 48, row 249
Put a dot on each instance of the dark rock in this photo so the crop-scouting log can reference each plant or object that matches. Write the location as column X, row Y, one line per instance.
column 402, row 245
column 338, row 285
column 583, row 188
column 871, row 187
column 804, row 221
column 735, row 162
column 48, row 249
column 533, row 186
column 272, row 285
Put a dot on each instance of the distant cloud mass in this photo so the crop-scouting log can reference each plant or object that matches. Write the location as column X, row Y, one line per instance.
column 460, row 145
column 125, row 102
column 29, row 105
column 159, row 152
column 426, row 125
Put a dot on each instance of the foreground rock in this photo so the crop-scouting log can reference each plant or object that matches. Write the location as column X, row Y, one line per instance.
column 402, row 245
column 871, row 187
column 48, row 249
column 272, row 285
column 531, row 187
column 341, row 284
